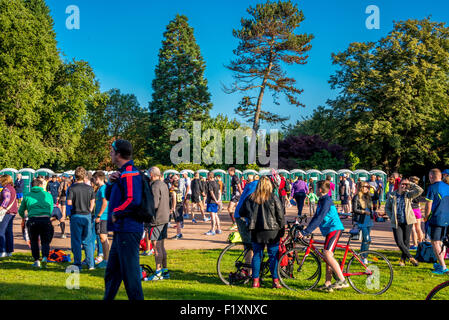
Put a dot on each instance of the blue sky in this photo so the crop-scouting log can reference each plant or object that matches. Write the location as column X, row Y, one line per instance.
column 121, row 41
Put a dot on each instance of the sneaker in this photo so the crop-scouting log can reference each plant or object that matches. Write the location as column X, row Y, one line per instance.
column 186, row 216
column 365, row 261
column 3, row 255
column 413, row 247
column 155, row 276
column 441, row 271
column 218, row 231
column 325, row 288
column 169, row 225
column 91, row 268
column 436, row 266
column 63, row 236
column 414, row 262
column 165, row 274
column 194, row 221
column 401, row 263
column 178, row 236
column 36, row 264
column 340, row 285
column 233, row 227
column 210, row 233
column 99, row 259
column 148, row 252
column 206, row 219
column 102, row 265
column 9, row 254
column 44, row 262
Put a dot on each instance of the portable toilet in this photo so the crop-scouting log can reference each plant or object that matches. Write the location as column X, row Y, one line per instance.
column 361, row 174
column 43, row 172
column 27, row 176
column 11, row 172
column 334, row 179
column 264, row 172
column 384, row 177
column 169, row 172
column 315, row 175
column 296, row 173
column 203, row 173
column 284, row 173
column 247, row 172
column 226, row 179
column 190, row 173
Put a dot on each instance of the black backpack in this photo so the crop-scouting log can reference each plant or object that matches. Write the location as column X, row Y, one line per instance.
column 145, row 212
column 425, row 253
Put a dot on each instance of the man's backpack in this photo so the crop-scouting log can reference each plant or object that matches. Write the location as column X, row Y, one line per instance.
column 425, row 253
column 146, row 213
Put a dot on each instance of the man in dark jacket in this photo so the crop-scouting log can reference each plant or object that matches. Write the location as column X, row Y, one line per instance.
column 124, row 193
column 158, row 230
column 53, row 187
column 19, row 185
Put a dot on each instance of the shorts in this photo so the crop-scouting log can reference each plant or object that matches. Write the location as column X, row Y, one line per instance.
column 178, row 215
column 212, row 207
column 331, row 240
column 101, row 227
column 417, row 213
column 56, row 213
column 19, row 195
column 344, row 200
column 437, row 233
column 235, row 198
column 158, row 233
column 196, row 198
column 243, row 230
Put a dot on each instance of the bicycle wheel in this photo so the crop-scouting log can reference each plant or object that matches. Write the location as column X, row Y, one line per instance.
column 374, row 278
column 231, row 265
column 440, row 292
column 297, row 274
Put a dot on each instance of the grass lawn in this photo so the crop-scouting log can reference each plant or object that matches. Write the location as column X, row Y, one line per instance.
column 193, row 274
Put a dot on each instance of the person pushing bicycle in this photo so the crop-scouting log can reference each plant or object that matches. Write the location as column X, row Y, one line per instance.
column 327, row 219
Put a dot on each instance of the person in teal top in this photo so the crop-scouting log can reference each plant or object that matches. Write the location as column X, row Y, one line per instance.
column 101, row 219
column 39, row 206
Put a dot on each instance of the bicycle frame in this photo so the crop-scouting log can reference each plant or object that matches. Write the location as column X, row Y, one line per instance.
column 311, row 247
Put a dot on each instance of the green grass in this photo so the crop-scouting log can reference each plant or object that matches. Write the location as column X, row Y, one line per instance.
column 194, row 277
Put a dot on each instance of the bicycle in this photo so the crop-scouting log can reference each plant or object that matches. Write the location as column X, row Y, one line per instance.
column 234, row 263
column 439, row 292
column 368, row 272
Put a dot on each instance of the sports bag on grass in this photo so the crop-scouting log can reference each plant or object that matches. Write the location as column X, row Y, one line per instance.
column 58, row 255
column 425, row 253
column 234, row 237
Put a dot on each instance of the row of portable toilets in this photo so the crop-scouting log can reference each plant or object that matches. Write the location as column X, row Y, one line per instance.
column 29, row 174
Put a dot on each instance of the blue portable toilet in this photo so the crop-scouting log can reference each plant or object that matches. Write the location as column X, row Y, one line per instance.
column 43, row 172
column 203, row 173
column 361, row 174
column 284, row 173
column 169, row 172
column 225, row 178
column 315, row 175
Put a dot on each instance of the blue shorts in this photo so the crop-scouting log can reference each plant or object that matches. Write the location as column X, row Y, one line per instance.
column 19, row 195
column 212, row 207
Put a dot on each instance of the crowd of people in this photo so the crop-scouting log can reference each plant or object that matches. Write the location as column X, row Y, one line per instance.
column 97, row 205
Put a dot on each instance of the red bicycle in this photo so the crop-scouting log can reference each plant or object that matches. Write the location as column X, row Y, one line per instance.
column 368, row 272
column 440, row 292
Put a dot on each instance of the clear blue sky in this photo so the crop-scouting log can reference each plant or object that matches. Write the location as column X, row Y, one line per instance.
column 121, row 41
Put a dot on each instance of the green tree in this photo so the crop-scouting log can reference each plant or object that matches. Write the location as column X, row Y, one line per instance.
column 267, row 42
column 42, row 99
column 180, row 91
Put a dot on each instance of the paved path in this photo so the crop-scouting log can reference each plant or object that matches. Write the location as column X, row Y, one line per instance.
column 194, row 237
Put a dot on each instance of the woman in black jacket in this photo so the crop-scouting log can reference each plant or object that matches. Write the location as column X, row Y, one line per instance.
column 265, row 213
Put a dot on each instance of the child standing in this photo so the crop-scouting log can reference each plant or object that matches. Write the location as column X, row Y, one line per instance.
column 313, row 198
column 326, row 218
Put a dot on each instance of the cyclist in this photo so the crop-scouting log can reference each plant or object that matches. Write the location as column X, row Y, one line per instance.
column 327, row 219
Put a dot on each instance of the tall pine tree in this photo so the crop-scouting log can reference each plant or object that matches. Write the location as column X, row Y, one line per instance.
column 180, row 91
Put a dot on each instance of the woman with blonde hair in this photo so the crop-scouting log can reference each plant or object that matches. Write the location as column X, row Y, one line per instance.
column 8, row 211
column 265, row 213
column 362, row 213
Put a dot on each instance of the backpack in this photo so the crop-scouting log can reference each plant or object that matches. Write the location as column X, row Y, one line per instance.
column 425, row 253
column 145, row 271
column 145, row 213
column 58, row 255
column 234, row 237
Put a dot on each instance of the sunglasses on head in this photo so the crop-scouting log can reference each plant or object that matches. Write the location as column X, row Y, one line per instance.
column 114, row 146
